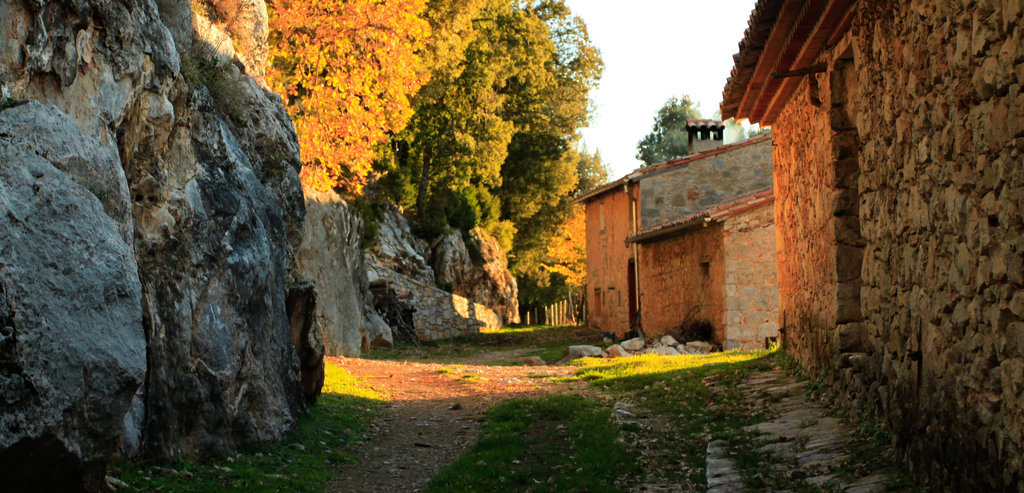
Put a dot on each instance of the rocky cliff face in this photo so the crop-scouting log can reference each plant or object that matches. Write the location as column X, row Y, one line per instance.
column 72, row 349
column 332, row 254
column 400, row 262
column 478, row 272
column 150, row 206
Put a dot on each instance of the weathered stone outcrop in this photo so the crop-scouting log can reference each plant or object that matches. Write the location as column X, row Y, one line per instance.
column 72, row 349
column 156, row 126
column 479, row 273
column 398, row 260
column 331, row 253
column 437, row 314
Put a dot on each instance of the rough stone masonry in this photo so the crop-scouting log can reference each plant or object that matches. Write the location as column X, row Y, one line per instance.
column 899, row 192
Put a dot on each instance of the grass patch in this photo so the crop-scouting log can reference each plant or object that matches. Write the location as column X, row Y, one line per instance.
column 548, row 342
column 552, row 444
column 304, row 462
column 697, row 393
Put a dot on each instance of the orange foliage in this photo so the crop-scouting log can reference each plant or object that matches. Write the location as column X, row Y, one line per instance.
column 346, row 69
column 567, row 249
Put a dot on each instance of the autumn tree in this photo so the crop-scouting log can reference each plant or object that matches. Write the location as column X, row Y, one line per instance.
column 669, row 138
column 567, row 249
column 345, row 69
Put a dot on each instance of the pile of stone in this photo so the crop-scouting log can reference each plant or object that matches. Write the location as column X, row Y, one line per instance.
column 665, row 346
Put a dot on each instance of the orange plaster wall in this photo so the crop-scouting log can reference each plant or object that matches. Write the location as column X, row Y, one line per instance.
column 674, row 288
column 608, row 225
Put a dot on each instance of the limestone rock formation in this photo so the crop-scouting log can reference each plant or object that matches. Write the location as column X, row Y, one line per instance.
column 174, row 175
column 479, row 272
column 398, row 250
column 72, row 349
column 397, row 260
column 331, row 253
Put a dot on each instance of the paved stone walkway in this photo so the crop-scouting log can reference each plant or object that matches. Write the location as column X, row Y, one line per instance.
column 804, row 442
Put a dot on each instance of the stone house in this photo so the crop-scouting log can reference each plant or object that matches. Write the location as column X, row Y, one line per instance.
column 687, row 241
column 899, row 132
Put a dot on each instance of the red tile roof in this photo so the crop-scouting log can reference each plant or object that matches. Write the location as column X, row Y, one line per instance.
column 704, row 123
column 781, row 36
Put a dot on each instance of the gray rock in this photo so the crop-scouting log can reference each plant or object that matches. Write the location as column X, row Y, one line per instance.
column 616, row 351
column 307, row 338
column 72, row 348
column 634, row 344
column 331, row 253
column 669, row 340
column 666, row 351
column 204, row 182
column 214, row 255
column 582, row 351
column 699, row 347
column 483, row 278
column 396, row 262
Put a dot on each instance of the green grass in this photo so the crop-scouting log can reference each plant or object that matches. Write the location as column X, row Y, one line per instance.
column 304, row 462
column 697, row 394
column 548, row 342
column 552, row 444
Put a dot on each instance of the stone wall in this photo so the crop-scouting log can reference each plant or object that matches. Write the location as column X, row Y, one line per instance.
column 693, row 184
column 751, row 279
column 682, row 281
column 922, row 109
column 608, row 225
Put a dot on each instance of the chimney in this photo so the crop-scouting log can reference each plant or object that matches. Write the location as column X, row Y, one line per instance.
column 704, row 134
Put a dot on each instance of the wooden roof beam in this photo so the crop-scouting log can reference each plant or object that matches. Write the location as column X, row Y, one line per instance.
column 776, row 40
column 795, row 42
column 831, row 18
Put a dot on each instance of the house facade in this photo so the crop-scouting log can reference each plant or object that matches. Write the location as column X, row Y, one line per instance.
column 675, row 242
column 899, row 135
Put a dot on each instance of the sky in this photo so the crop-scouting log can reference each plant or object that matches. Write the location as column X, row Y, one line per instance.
column 653, row 50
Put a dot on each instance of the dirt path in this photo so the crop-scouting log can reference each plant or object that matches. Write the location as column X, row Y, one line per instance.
column 434, row 413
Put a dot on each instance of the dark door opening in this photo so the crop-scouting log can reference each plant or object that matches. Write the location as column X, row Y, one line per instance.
column 631, row 272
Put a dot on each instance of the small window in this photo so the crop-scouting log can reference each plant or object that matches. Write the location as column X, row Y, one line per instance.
column 705, row 265
column 597, row 301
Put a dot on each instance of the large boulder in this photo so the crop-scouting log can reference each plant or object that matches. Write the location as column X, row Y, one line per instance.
column 331, row 253
column 478, row 271
column 203, row 181
column 72, row 349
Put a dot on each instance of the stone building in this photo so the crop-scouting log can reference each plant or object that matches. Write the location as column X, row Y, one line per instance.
column 899, row 132
column 686, row 242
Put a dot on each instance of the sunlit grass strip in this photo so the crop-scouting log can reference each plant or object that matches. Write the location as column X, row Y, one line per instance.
column 552, row 444
column 303, row 462
column 696, row 393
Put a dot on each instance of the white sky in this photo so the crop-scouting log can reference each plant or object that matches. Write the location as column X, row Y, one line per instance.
column 653, row 50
